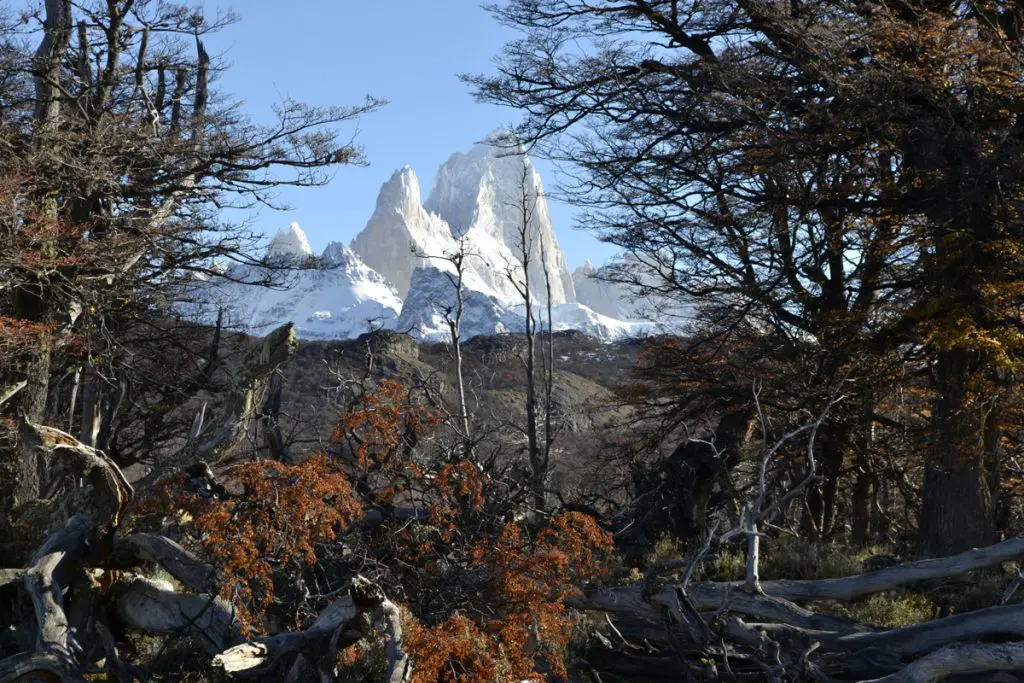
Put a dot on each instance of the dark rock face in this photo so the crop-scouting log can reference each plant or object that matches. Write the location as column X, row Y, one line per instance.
column 388, row 343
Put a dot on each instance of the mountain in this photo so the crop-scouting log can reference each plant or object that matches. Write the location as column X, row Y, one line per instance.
column 607, row 298
column 334, row 297
column 400, row 230
column 398, row 272
column 432, row 294
column 289, row 245
column 482, row 194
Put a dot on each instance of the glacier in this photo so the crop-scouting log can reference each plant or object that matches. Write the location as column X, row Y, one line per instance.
column 397, row 273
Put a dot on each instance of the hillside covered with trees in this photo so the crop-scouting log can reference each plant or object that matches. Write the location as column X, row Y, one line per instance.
column 819, row 478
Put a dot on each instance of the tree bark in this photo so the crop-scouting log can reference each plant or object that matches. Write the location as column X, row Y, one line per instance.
column 154, row 608
column 960, row 658
column 956, row 513
column 860, row 519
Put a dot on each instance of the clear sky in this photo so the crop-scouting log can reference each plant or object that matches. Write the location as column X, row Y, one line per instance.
column 406, row 51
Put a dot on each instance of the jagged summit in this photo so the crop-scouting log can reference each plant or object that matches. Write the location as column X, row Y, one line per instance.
column 395, row 274
column 289, row 242
column 400, row 230
column 401, row 191
column 337, row 254
column 482, row 191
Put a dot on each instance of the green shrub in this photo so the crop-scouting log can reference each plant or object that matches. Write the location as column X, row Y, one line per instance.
column 892, row 610
column 666, row 549
column 788, row 557
column 728, row 565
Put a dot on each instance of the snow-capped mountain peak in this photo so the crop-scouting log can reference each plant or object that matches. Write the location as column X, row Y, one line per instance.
column 400, row 231
column 401, row 192
column 397, row 272
column 491, row 190
column 337, row 254
column 290, row 243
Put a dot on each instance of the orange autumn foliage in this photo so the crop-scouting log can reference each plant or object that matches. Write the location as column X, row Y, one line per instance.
column 455, row 650
column 20, row 339
column 530, row 579
column 282, row 514
column 513, row 621
column 382, row 428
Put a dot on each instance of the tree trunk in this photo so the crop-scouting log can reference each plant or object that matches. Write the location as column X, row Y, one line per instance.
column 955, row 464
column 821, row 500
column 861, row 504
column 91, row 396
column 19, row 473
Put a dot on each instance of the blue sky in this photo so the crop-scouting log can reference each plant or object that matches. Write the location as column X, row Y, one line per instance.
column 406, row 51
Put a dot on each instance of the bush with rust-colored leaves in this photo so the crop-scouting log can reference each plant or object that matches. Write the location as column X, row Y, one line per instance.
column 529, row 579
column 382, row 430
column 279, row 515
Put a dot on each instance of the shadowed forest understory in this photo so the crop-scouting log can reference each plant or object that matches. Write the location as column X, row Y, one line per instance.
column 817, row 476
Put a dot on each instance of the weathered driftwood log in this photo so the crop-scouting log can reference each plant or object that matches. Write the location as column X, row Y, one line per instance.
column 870, row 583
column 43, row 583
column 1006, row 620
column 629, row 600
column 840, row 647
column 258, row 656
column 48, row 572
column 960, row 658
column 712, row 596
column 911, row 641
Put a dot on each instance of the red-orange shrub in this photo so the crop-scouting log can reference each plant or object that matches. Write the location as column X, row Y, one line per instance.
column 280, row 515
column 530, row 579
column 382, row 429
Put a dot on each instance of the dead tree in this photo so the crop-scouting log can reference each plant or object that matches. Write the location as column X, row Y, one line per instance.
column 518, row 273
column 453, row 313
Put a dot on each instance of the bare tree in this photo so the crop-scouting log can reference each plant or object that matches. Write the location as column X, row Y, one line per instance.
column 453, row 313
column 527, row 248
column 548, row 359
column 118, row 157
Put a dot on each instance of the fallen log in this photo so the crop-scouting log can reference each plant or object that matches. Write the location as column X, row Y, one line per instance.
column 1004, row 620
column 153, row 607
column 629, row 600
column 255, row 657
column 851, row 587
column 715, row 595
column 340, row 624
column 43, row 581
column 960, row 658
column 138, row 548
column 910, row 641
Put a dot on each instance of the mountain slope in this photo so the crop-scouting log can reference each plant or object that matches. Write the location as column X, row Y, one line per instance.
column 338, row 297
